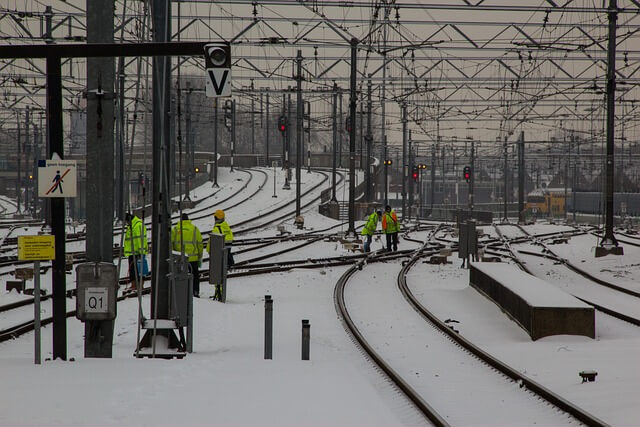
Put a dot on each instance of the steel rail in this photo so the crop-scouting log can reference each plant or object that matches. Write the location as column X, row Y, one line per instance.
column 492, row 361
column 28, row 326
column 246, row 230
column 581, row 272
column 549, row 255
column 350, row 326
column 175, row 217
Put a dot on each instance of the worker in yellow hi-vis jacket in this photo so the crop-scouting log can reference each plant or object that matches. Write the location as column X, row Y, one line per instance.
column 186, row 238
column 222, row 227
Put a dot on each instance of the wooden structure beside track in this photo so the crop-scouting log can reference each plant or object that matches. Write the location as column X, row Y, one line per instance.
column 537, row 306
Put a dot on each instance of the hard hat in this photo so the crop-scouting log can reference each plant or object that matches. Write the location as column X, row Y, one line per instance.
column 219, row 214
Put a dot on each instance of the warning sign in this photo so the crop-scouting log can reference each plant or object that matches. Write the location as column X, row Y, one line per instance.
column 36, row 248
column 57, row 178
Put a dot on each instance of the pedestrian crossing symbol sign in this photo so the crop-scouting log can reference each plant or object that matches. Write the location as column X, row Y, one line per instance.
column 57, row 178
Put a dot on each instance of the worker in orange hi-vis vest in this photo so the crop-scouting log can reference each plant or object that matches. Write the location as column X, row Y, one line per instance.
column 390, row 226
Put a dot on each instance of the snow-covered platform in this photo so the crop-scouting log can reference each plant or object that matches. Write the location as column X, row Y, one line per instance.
column 537, row 306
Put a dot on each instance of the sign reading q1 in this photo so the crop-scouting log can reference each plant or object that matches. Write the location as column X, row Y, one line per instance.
column 217, row 58
column 96, row 291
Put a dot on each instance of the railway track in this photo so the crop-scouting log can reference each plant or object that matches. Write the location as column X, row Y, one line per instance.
column 513, row 374
column 617, row 303
column 11, row 242
column 525, row 387
column 13, row 261
column 248, row 269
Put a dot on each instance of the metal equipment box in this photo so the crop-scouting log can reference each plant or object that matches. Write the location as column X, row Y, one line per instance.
column 217, row 259
column 96, row 291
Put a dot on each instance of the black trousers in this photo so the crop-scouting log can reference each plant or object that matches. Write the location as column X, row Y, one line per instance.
column 392, row 241
column 132, row 269
column 196, row 277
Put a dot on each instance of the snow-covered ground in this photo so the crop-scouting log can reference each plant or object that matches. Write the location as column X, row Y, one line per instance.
column 226, row 381
column 8, row 207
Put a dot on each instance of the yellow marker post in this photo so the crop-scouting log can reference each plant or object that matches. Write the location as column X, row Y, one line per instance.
column 36, row 249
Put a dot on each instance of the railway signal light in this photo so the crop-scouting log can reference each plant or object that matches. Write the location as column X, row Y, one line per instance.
column 282, row 124
column 228, row 119
column 388, row 162
column 422, row 166
column 466, row 173
column 196, row 169
column 217, row 55
column 415, row 174
column 217, row 58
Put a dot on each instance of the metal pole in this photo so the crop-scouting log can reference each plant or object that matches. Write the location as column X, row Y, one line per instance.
column 405, row 172
column 334, row 163
column 386, row 171
column 253, row 120
column 274, row 179
column 100, row 173
column 190, row 311
column 120, row 131
column 225, row 257
column 36, row 311
column 177, row 133
column 18, row 184
column 352, row 139
column 521, row 174
column 306, row 339
column 340, row 127
column 187, row 138
column 609, row 240
column 410, row 168
column 383, row 100
column 473, row 177
column 268, row 327
column 299, row 130
column 215, row 142
column 574, row 179
column 367, row 172
column 567, row 146
column 233, row 131
column 56, row 145
column 29, row 164
column 284, row 137
column 162, row 149
column 308, row 131
column 361, row 133
column 506, row 159
column 266, row 130
column 287, row 135
column 433, row 175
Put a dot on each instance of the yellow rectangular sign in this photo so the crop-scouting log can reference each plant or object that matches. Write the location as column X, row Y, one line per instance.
column 36, row 248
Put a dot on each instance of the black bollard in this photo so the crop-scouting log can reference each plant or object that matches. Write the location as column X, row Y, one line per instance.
column 268, row 326
column 306, row 338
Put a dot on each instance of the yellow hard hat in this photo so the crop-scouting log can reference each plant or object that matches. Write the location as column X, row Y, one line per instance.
column 219, row 214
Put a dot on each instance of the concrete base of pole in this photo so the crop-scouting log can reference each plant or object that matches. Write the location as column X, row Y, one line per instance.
column 604, row 251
